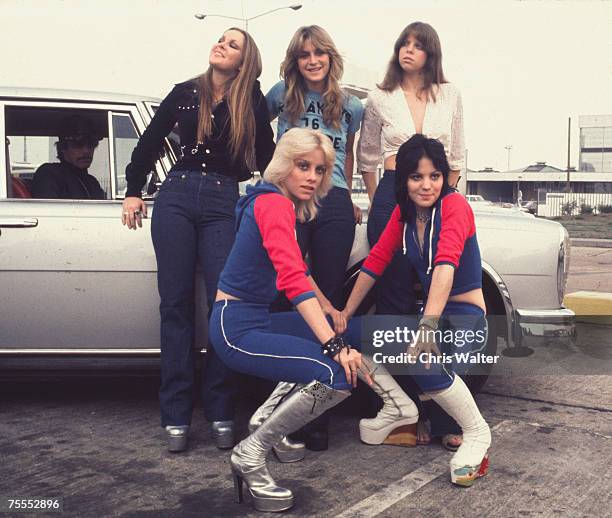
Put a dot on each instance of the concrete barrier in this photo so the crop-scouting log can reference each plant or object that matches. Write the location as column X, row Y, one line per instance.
column 590, row 306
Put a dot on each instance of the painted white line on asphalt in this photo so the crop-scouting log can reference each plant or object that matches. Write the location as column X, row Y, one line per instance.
column 405, row 486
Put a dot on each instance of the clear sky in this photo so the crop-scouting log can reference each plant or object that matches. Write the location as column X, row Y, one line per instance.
column 523, row 67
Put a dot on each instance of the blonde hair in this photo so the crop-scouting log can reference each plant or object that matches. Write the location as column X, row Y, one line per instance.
column 433, row 76
column 239, row 94
column 333, row 98
column 295, row 143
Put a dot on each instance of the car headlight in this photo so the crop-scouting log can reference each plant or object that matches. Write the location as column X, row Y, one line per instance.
column 563, row 263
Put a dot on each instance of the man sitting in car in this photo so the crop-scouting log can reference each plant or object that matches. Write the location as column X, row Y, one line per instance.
column 69, row 178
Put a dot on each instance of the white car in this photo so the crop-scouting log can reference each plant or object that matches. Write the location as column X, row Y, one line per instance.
column 80, row 289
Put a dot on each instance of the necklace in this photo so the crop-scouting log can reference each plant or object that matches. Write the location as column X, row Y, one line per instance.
column 423, row 215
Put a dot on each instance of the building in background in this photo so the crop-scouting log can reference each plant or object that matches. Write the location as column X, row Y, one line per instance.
column 596, row 144
column 594, row 174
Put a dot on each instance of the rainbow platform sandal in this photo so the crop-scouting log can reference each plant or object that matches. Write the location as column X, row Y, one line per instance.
column 472, row 459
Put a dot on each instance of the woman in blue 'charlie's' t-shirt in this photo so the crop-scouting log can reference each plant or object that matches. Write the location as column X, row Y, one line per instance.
column 310, row 96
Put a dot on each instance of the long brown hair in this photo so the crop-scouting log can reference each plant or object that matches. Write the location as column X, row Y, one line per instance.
column 239, row 96
column 333, row 98
column 433, row 76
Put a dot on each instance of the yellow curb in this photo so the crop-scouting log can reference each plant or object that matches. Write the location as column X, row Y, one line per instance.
column 591, row 303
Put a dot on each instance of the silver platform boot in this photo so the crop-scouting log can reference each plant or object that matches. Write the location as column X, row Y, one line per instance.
column 223, row 434
column 177, row 438
column 286, row 450
column 248, row 460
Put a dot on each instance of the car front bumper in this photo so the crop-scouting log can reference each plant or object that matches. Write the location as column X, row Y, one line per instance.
column 538, row 326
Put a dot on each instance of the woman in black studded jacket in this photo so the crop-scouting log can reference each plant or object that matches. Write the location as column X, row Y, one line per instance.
column 225, row 134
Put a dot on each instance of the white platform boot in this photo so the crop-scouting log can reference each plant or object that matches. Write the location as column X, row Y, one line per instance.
column 396, row 421
column 472, row 459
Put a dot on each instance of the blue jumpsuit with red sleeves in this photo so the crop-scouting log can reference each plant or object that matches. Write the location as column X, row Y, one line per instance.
column 266, row 259
column 449, row 238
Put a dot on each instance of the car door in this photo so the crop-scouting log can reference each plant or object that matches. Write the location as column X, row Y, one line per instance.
column 72, row 278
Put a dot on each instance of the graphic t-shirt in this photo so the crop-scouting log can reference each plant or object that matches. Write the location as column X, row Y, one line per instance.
column 312, row 118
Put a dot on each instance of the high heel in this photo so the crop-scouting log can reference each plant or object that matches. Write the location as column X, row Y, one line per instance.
column 286, row 450
column 472, row 459
column 396, row 422
column 248, row 459
column 265, row 494
column 237, row 486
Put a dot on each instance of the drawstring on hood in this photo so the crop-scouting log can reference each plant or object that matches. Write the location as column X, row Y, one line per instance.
column 431, row 231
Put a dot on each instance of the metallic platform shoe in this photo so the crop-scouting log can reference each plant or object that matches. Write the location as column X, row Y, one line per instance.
column 177, row 438
column 286, row 450
column 471, row 460
column 223, row 434
column 396, row 421
column 248, row 460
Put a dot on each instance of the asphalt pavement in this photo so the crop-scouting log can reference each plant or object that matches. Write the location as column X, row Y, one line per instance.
column 97, row 444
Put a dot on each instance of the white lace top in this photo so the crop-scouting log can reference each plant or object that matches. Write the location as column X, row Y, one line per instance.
column 387, row 124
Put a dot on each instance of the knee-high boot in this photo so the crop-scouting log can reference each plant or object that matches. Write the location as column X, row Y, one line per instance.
column 286, row 450
column 471, row 460
column 248, row 460
column 396, row 421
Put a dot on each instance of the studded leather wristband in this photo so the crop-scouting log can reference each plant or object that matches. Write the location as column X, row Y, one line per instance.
column 333, row 346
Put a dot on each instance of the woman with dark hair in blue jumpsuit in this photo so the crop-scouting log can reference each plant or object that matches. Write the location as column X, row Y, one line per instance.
column 434, row 227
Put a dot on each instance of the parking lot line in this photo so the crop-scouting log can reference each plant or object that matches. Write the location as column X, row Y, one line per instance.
column 378, row 502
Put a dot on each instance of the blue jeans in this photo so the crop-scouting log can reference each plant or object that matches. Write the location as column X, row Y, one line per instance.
column 247, row 341
column 328, row 241
column 394, row 290
column 192, row 225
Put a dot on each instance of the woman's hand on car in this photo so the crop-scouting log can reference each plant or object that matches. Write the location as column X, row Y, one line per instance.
column 132, row 212
column 357, row 214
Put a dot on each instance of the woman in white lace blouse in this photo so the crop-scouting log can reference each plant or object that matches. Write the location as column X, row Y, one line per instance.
column 414, row 97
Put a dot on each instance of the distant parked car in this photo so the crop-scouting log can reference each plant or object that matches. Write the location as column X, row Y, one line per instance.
column 80, row 290
column 530, row 206
column 477, row 198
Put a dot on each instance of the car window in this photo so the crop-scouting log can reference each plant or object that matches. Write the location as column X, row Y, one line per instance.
column 32, row 133
column 31, row 137
column 125, row 138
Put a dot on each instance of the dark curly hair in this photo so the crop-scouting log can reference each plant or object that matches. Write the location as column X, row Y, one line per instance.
column 407, row 162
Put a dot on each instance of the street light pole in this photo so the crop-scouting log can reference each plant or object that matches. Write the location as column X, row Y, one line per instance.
column 508, row 147
column 246, row 20
column 568, row 185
